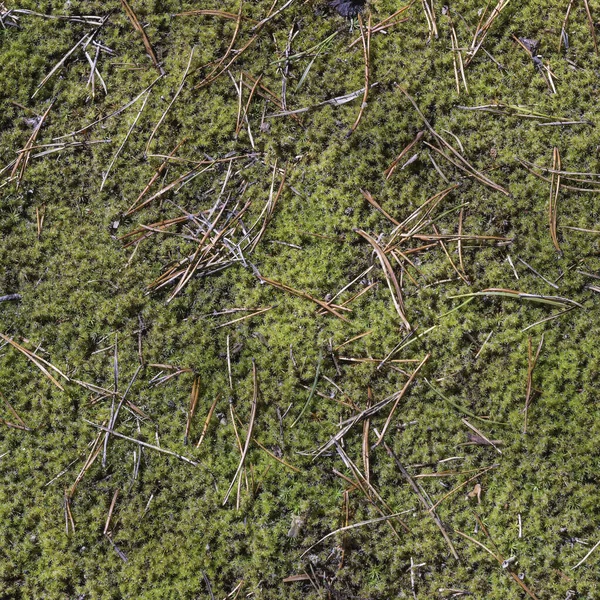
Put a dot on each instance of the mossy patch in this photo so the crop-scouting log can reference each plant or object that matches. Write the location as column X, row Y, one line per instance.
column 83, row 293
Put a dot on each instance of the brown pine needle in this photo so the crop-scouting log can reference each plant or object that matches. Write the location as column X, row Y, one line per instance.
column 554, row 189
column 248, row 435
column 38, row 361
column 110, row 512
column 532, row 361
column 283, row 462
column 400, row 396
column 424, row 502
column 366, row 43
column 211, row 410
column 300, row 294
column 349, row 527
column 458, row 487
column 369, row 198
column 139, row 28
column 390, row 170
column 193, row 402
column 390, row 277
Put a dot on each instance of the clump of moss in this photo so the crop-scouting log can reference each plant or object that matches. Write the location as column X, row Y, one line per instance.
column 83, row 294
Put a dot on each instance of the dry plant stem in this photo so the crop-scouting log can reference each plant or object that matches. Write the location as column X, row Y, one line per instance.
column 554, row 189
column 248, row 435
column 193, row 402
column 366, row 43
column 400, row 396
column 390, row 277
column 426, row 505
column 138, row 27
column 211, row 410
column 531, row 361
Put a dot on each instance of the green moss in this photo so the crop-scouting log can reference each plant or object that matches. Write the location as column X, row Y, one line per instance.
column 81, row 290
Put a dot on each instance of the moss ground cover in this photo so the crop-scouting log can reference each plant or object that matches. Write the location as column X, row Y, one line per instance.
column 268, row 206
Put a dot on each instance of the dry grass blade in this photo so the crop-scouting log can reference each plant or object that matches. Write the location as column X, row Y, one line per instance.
column 37, row 361
column 390, row 277
column 110, row 512
column 366, row 43
column 248, row 435
column 139, row 28
column 424, row 502
column 554, row 189
column 430, row 17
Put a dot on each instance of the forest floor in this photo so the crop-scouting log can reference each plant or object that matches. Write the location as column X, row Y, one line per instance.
column 306, row 307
